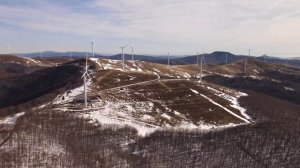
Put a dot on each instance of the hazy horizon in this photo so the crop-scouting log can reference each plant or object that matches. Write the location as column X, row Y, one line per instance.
column 68, row 53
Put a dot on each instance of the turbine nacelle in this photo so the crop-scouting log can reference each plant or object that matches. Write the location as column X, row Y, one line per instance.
column 122, row 47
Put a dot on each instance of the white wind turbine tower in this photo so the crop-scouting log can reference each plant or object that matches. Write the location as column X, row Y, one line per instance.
column 85, row 76
column 168, row 58
column 198, row 63
column 201, row 65
column 92, row 42
column 123, row 59
column 245, row 66
column 132, row 56
column 7, row 48
column 197, row 58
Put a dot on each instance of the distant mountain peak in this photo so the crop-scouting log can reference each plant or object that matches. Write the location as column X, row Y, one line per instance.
column 222, row 52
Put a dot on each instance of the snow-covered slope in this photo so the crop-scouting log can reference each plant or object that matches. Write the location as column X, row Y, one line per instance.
column 187, row 72
column 150, row 96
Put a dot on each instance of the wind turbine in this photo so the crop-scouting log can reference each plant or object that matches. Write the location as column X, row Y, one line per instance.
column 197, row 58
column 203, row 56
column 286, row 62
column 201, row 66
column 92, row 42
column 123, row 55
column 245, row 66
column 85, row 76
column 132, row 58
column 168, row 58
column 7, row 48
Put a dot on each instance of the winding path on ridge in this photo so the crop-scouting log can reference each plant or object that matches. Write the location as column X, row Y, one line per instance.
column 160, row 81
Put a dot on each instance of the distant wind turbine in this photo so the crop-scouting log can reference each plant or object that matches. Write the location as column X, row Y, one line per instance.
column 168, row 58
column 132, row 56
column 92, row 42
column 7, row 48
column 197, row 58
column 202, row 57
column 123, row 55
column 245, row 66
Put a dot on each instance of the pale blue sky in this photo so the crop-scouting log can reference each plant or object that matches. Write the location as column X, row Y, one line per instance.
column 182, row 27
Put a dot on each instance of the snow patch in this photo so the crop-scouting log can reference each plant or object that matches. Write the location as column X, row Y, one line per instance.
column 186, row 75
column 232, row 99
column 32, row 60
column 69, row 95
column 256, row 77
column 225, row 75
column 158, row 77
column 156, row 70
column 195, row 91
column 229, row 111
column 288, row 88
column 147, row 117
column 11, row 120
column 166, row 116
column 122, row 113
column 97, row 61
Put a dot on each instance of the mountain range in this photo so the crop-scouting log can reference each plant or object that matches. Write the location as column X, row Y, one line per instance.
column 218, row 57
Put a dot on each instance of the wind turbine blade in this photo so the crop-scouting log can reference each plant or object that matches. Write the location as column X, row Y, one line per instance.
column 87, row 74
column 84, row 74
column 203, row 58
column 124, row 46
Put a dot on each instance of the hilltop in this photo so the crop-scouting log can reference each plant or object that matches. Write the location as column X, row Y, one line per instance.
column 171, row 93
